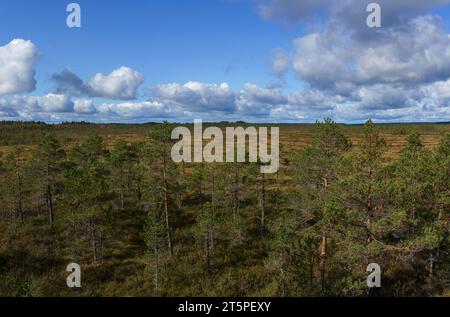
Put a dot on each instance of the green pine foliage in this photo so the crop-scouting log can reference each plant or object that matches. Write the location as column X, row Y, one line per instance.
column 141, row 225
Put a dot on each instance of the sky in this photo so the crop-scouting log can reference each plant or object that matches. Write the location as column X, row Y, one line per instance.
column 217, row 60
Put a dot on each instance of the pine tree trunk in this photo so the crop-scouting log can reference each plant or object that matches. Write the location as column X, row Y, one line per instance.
column 323, row 258
column 207, row 252
column 156, row 266
column 213, row 206
column 323, row 247
column 235, row 193
column 122, row 188
column 94, row 242
column 277, row 189
column 37, row 205
column 19, row 210
column 166, row 206
column 49, row 198
column 200, row 188
column 101, row 253
column 369, row 207
column 139, row 193
column 311, row 268
column 263, row 203
column 431, row 266
column 156, row 251
column 50, row 204
column 122, row 199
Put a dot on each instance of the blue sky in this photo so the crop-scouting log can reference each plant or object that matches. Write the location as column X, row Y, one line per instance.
column 169, row 40
column 255, row 60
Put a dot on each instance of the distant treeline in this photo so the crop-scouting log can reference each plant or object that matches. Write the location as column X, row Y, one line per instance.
column 30, row 132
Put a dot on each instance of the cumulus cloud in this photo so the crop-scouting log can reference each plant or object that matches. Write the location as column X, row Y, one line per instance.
column 51, row 103
column 319, row 60
column 263, row 95
column 17, row 62
column 279, row 62
column 203, row 98
column 313, row 101
column 122, row 84
column 417, row 52
column 144, row 109
column 196, row 96
column 6, row 110
column 69, row 83
column 385, row 97
column 396, row 71
column 400, row 68
column 258, row 101
column 351, row 13
column 346, row 70
column 176, row 101
column 84, row 106
column 382, row 102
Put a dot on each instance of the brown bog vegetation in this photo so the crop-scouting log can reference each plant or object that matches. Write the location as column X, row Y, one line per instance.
column 109, row 198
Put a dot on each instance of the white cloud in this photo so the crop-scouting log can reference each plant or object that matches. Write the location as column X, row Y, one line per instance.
column 120, row 84
column 196, row 96
column 398, row 72
column 351, row 13
column 258, row 101
column 279, row 62
column 392, row 70
column 144, row 109
column 263, row 95
column 418, row 52
column 17, row 62
column 50, row 103
column 319, row 61
column 385, row 97
column 313, row 101
column 53, row 103
column 84, row 106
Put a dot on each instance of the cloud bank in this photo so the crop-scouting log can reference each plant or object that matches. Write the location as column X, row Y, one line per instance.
column 342, row 69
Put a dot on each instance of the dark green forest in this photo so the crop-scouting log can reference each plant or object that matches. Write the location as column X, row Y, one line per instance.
column 141, row 225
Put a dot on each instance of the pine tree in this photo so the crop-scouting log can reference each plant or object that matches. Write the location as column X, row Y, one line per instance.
column 204, row 232
column 14, row 171
column 164, row 170
column 139, row 173
column 315, row 173
column 87, row 193
column 358, row 209
column 154, row 238
column 47, row 166
column 122, row 158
